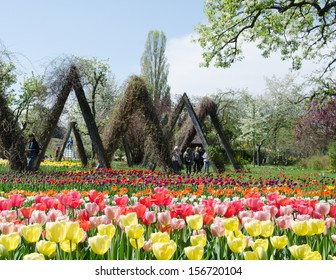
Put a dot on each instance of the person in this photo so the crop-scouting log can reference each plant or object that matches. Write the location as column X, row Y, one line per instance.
column 33, row 151
column 206, row 162
column 188, row 160
column 200, row 163
column 196, row 158
column 176, row 159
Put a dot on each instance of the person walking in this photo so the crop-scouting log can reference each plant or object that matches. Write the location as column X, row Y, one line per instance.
column 188, row 160
column 176, row 159
column 206, row 162
column 33, row 151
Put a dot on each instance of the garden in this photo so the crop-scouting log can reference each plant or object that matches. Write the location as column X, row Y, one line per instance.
column 65, row 212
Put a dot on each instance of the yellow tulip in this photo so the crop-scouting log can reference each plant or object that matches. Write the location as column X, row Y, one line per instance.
column 73, row 232
column 34, row 257
column 134, row 231
column 129, row 219
column 253, row 228
column 315, row 226
column 300, row 228
column 236, row 241
column 330, row 257
column 68, row 247
column 194, row 252
column 31, row 233
column 251, row 256
column 231, row 223
column 260, row 243
column 159, row 236
column 47, row 248
column 108, row 230
column 10, row 241
column 315, row 255
column 199, row 239
column 299, row 251
column 267, row 228
column 195, row 222
column 164, row 251
column 258, row 254
column 279, row 242
column 137, row 243
column 99, row 244
column 56, row 231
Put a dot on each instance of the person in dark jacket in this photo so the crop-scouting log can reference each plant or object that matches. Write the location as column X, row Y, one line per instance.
column 33, row 151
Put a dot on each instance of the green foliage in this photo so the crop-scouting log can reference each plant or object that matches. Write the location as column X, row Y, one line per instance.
column 315, row 162
column 298, row 29
column 332, row 156
column 217, row 156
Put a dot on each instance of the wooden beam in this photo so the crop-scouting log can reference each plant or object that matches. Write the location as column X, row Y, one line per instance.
column 89, row 120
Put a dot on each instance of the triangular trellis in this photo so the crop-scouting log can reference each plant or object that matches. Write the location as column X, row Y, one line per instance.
column 184, row 102
column 72, row 127
column 72, row 82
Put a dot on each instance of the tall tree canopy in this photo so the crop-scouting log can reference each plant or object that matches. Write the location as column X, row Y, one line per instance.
column 299, row 29
column 154, row 69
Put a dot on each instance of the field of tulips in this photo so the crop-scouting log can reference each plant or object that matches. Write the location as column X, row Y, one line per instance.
column 144, row 215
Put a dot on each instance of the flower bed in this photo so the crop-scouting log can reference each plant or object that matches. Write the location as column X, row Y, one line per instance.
column 139, row 214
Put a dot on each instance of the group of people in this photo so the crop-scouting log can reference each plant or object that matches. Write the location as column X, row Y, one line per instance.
column 193, row 160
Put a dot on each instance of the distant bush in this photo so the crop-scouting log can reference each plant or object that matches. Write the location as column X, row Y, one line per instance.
column 332, row 155
column 217, row 156
column 315, row 162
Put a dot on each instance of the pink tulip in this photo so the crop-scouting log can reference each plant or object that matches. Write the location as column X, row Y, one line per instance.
column 104, row 220
column 217, row 230
column 285, row 210
column 95, row 221
column 39, row 217
column 271, row 209
column 328, row 223
column 220, row 209
column 249, row 240
column 9, row 215
column 63, row 218
column 150, row 217
column 53, row 215
column 5, row 204
column 200, row 231
column 333, row 238
column 199, row 209
column 17, row 200
column 92, row 208
column 323, row 208
column 305, row 217
column 113, row 212
column 7, row 228
column 164, row 218
column 255, row 204
column 317, row 215
column 245, row 213
column 284, row 221
column 246, row 220
column 177, row 223
column 262, row 215
column 147, row 246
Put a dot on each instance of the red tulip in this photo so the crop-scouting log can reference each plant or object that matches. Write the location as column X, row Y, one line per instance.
column 5, row 204
column 26, row 212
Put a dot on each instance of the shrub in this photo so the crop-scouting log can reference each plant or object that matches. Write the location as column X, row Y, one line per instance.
column 217, row 156
column 315, row 162
column 332, row 155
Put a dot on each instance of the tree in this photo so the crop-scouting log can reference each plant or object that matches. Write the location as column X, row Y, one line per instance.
column 154, row 70
column 299, row 29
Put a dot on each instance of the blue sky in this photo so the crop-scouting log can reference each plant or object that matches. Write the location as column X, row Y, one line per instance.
column 38, row 31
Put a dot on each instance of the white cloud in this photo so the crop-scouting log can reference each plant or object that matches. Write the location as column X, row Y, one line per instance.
column 185, row 74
